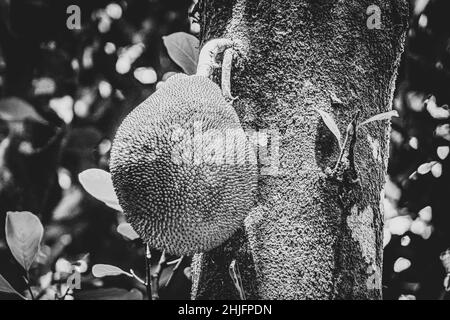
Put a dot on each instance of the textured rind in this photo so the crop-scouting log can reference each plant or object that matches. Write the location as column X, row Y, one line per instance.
column 175, row 195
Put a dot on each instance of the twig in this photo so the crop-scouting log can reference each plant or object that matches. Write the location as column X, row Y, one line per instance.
column 27, row 281
column 137, row 277
column 148, row 271
column 65, row 294
column 176, row 261
column 350, row 134
column 156, row 275
column 237, row 279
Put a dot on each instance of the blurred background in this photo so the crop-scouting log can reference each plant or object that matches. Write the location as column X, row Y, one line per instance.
column 64, row 92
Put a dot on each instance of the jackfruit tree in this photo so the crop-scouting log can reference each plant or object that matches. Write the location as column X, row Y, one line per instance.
column 316, row 229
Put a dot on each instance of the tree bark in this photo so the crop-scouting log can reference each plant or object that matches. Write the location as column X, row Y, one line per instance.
column 308, row 236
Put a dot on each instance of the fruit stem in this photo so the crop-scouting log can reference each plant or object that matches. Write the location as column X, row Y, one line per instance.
column 207, row 60
column 227, row 62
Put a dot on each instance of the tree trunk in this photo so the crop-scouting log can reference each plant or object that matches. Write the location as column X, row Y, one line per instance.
column 309, row 236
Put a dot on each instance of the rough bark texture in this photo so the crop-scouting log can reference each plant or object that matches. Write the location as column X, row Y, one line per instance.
column 308, row 237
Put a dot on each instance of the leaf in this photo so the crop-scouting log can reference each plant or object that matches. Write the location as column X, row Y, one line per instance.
column 443, row 152
column 6, row 287
column 44, row 86
column 166, row 276
column 145, row 75
column 331, row 124
column 426, row 214
column 106, row 270
column 127, row 231
column 425, row 167
column 401, row 264
column 436, row 112
column 15, row 109
column 419, row 6
column 436, row 170
column 188, row 272
column 98, row 184
column 63, row 107
column 23, row 234
column 109, row 294
column 399, row 225
column 183, row 48
column 382, row 116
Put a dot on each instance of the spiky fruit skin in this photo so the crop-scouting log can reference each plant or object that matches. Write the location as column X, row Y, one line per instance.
column 182, row 167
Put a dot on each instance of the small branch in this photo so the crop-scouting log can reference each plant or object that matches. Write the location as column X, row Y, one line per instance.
column 351, row 150
column 156, row 275
column 347, row 150
column 176, row 261
column 237, row 279
column 341, row 154
column 65, row 294
column 137, row 277
column 27, row 281
column 41, row 294
column 148, row 271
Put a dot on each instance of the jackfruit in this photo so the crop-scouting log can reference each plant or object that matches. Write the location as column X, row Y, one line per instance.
column 183, row 168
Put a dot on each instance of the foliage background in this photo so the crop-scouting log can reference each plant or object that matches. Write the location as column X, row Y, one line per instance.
column 84, row 82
